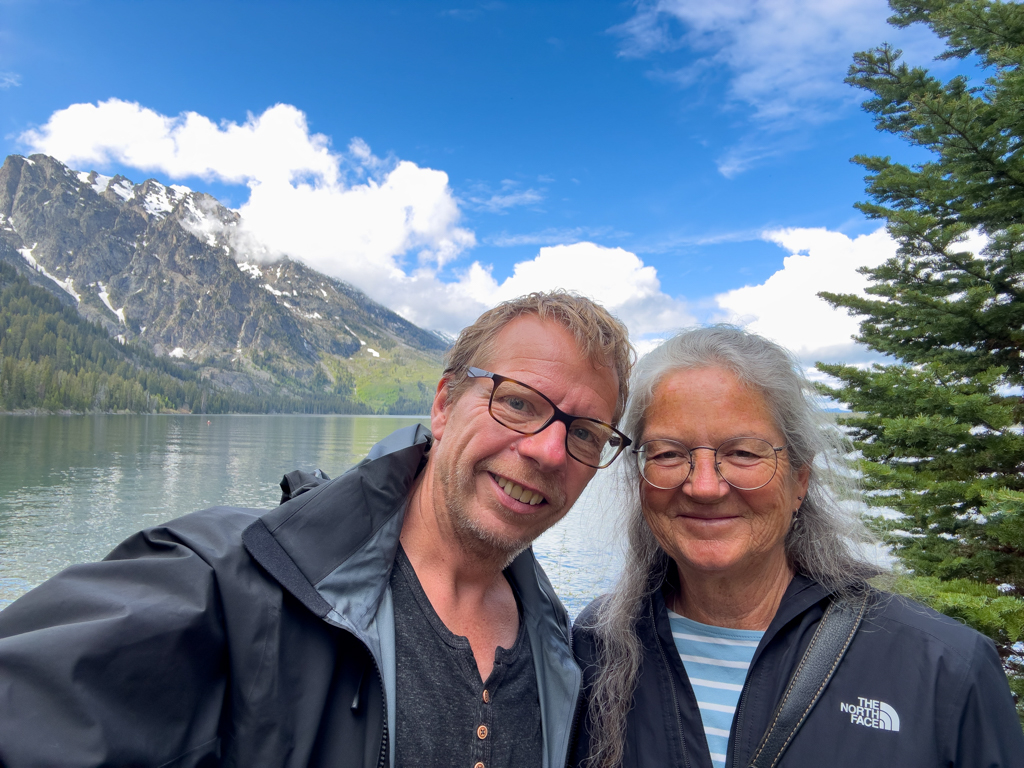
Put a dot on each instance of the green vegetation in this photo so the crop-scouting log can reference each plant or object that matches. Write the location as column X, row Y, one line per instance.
column 940, row 432
column 52, row 359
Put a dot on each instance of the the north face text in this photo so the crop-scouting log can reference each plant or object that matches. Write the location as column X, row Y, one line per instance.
column 872, row 714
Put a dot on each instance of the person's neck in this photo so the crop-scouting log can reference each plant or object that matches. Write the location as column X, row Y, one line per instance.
column 747, row 599
column 466, row 587
column 438, row 553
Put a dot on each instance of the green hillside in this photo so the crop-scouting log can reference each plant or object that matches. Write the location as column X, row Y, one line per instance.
column 53, row 359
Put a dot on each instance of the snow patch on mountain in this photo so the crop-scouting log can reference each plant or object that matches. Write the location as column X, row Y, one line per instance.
column 251, row 270
column 123, row 189
column 105, row 298
column 98, row 181
column 158, row 201
column 67, row 285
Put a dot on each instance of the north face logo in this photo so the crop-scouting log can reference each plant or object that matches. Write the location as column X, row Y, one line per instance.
column 872, row 714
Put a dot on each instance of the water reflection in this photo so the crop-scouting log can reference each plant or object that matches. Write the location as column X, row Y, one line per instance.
column 72, row 487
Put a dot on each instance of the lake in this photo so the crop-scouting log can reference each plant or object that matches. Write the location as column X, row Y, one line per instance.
column 72, row 487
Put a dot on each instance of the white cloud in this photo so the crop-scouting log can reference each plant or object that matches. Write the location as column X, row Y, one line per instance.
column 553, row 236
column 509, row 196
column 785, row 60
column 784, row 57
column 786, row 307
column 9, row 80
column 613, row 276
column 352, row 214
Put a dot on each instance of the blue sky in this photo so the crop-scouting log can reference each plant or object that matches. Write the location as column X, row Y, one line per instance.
column 680, row 161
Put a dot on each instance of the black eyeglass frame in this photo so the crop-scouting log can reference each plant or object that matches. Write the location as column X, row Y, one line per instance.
column 557, row 414
column 693, row 462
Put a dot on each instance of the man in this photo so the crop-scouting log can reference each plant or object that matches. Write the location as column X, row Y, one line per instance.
column 394, row 616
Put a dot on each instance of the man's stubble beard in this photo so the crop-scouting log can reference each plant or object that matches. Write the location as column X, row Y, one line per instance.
column 457, row 486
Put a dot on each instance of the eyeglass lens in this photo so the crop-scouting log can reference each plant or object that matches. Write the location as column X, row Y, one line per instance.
column 525, row 411
column 745, row 463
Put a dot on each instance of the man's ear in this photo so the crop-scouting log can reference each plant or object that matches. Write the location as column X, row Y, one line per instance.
column 439, row 409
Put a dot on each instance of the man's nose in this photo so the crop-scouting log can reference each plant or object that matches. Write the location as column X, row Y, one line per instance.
column 704, row 482
column 546, row 447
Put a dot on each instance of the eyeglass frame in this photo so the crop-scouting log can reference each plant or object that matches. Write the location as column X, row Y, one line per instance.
column 557, row 415
column 693, row 461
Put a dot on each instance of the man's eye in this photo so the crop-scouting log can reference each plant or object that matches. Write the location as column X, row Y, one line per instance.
column 584, row 435
column 515, row 404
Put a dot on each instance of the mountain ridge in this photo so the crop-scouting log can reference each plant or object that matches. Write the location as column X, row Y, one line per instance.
column 164, row 267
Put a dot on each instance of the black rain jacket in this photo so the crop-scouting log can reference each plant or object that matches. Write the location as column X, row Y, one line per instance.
column 244, row 638
column 916, row 690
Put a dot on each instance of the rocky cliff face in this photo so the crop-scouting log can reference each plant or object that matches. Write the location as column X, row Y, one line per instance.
column 162, row 265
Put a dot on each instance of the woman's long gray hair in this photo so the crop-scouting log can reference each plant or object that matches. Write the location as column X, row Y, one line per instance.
column 823, row 541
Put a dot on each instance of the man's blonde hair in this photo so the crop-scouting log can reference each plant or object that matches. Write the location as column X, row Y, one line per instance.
column 599, row 336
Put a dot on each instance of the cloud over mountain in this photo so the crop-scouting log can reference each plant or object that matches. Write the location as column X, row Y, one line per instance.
column 386, row 225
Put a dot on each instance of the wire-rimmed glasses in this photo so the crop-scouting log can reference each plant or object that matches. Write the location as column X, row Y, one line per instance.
column 745, row 463
column 523, row 409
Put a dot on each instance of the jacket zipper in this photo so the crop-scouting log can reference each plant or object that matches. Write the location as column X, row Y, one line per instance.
column 382, row 757
column 735, row 738
column 672, row 687
column 572, row 731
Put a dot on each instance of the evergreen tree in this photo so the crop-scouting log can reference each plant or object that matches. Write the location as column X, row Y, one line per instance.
column 940, row 432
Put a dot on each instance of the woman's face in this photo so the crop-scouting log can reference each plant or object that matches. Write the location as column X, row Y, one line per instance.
column 705, row 525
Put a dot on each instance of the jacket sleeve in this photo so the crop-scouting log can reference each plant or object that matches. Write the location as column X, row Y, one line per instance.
column 990, row 734
column 119, row 662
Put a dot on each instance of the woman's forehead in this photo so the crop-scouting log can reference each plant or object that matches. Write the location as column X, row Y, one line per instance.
column 707, row 403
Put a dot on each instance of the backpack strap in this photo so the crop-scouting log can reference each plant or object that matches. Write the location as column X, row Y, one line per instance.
column 834, row 634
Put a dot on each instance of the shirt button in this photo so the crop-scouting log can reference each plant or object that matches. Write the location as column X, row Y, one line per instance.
column 481, row 732
column 487, row 700
column 479, row 765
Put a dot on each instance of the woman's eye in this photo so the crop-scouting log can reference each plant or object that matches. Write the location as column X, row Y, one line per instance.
column 665, row 456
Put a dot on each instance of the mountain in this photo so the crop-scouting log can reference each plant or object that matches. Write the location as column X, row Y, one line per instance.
column 166, row 269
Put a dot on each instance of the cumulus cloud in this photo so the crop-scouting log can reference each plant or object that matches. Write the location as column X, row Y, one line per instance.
column 349, row 214
column 616, row 278
column 613, row 276
column 786, row 307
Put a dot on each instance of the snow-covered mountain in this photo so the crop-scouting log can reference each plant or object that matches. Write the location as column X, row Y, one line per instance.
column 167, row 267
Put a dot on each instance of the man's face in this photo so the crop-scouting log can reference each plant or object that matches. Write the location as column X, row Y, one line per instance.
column 486, row 477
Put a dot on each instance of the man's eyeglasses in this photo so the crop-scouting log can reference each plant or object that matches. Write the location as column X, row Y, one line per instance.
column 745, row 463
column 523, row 409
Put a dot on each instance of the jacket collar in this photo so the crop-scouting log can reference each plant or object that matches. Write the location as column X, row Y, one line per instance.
column 332, row 547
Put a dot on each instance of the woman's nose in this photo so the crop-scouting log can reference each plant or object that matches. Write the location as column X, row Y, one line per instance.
column 704, row 480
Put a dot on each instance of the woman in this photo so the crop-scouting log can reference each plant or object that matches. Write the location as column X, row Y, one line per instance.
column 738, row 542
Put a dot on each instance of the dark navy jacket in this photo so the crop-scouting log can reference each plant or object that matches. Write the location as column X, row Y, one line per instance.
column 244, row 638
column 915, row 690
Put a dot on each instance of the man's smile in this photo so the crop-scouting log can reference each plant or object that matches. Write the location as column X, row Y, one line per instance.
column 518, row 492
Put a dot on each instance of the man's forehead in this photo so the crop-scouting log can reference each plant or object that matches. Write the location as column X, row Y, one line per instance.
column 545, row 355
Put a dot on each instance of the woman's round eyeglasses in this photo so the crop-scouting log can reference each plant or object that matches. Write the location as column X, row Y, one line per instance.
column 745, row 463
column 523, row 409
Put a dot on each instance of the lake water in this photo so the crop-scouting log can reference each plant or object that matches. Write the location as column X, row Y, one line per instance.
column 72, row 487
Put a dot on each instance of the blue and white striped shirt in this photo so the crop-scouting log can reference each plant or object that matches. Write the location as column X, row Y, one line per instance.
column 716, row 660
